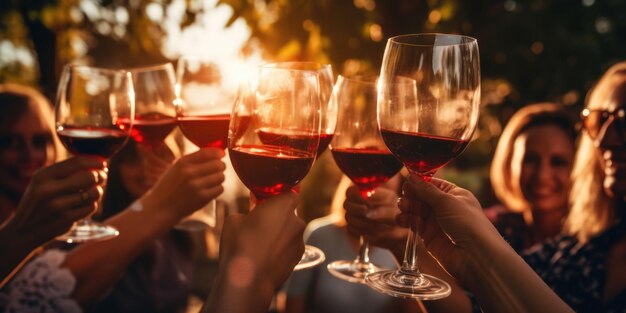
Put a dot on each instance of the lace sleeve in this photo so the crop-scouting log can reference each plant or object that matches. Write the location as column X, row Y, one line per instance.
column 41, row 286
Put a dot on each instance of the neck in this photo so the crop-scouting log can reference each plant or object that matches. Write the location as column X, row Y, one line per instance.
column 547, row 224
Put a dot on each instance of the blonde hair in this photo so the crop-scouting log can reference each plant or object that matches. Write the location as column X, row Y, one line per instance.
column 38, row 103
column 591, row 209
column 506, row 189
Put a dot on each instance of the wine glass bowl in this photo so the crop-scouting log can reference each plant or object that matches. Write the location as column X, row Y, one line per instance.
column 94, row 115
column 428, row 106
column 155, row 114
column 361, row 154
column 328, row 108
column 205, row 101
column 276, row 147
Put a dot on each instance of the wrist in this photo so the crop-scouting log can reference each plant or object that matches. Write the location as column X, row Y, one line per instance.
column 157, row 205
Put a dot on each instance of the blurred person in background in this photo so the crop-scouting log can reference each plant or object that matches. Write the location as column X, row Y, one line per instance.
column 39, row 199
column 530, row 174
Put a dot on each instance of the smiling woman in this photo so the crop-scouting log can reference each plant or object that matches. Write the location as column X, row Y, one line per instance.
column 530, row 174
column 26, row 142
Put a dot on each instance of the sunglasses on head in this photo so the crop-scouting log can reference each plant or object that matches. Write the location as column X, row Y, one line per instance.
column 595, row 120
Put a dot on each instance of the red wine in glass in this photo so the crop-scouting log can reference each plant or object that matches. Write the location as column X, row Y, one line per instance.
column 325, row 139
column 103, row 142
column 206, row 131
column 288, row 137
column 422, row 153
column 368, row 168
column 270, row 170
column 151, row 128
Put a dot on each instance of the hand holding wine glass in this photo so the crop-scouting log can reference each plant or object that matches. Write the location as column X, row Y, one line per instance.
column 205, row 101
column 284, row 105
column 360, row 153
column 94, row 116
column 427, row 111
column 154, row 104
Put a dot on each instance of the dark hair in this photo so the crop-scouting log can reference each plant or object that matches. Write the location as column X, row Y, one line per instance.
column 12, row 106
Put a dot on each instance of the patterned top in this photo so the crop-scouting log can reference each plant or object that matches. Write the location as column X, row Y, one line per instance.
column 577, row 272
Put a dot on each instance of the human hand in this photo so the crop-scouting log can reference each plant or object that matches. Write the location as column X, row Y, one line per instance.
column 374, row 218
column 268, row 239
column 155, row 160
column 189, row 184
column 448, row 218
column 258, row 251
column 57, row 196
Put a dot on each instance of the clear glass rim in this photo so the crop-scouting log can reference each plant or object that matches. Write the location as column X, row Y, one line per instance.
column 296, row 72
column 150, row 68
column 365, row 79
column 82, row 67
column 299, row 65
column 414, row 40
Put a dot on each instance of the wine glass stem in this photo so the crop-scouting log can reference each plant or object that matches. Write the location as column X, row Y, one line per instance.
column 364, row 248
column 409, row 264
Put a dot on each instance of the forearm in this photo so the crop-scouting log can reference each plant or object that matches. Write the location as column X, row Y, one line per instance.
column 98, row 265
column 503, row 282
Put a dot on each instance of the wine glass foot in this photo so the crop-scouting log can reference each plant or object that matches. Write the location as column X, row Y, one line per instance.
column 405, row 285
column 311, row 257
column 89, row 232
column 352, row 271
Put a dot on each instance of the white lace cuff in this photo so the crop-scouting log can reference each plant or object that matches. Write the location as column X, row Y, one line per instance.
column 41, row 286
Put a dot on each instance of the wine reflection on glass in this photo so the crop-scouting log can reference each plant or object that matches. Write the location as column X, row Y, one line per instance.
column 284, row 103
column 203, row 108
column 425, row 126
column 361, row 154
column 328, row 108
column 94, row 114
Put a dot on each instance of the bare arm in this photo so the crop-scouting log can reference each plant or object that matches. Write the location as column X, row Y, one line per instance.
column 257, row 254
column 461, row 238
column 189, row 184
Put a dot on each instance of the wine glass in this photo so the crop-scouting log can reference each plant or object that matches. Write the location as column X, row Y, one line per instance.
column 324, row 72
column 205, row 101
column 94, row 116
column 284, row 110
column 361, row 154
column 427, row 133
column 328, row 108
column 154, row 104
